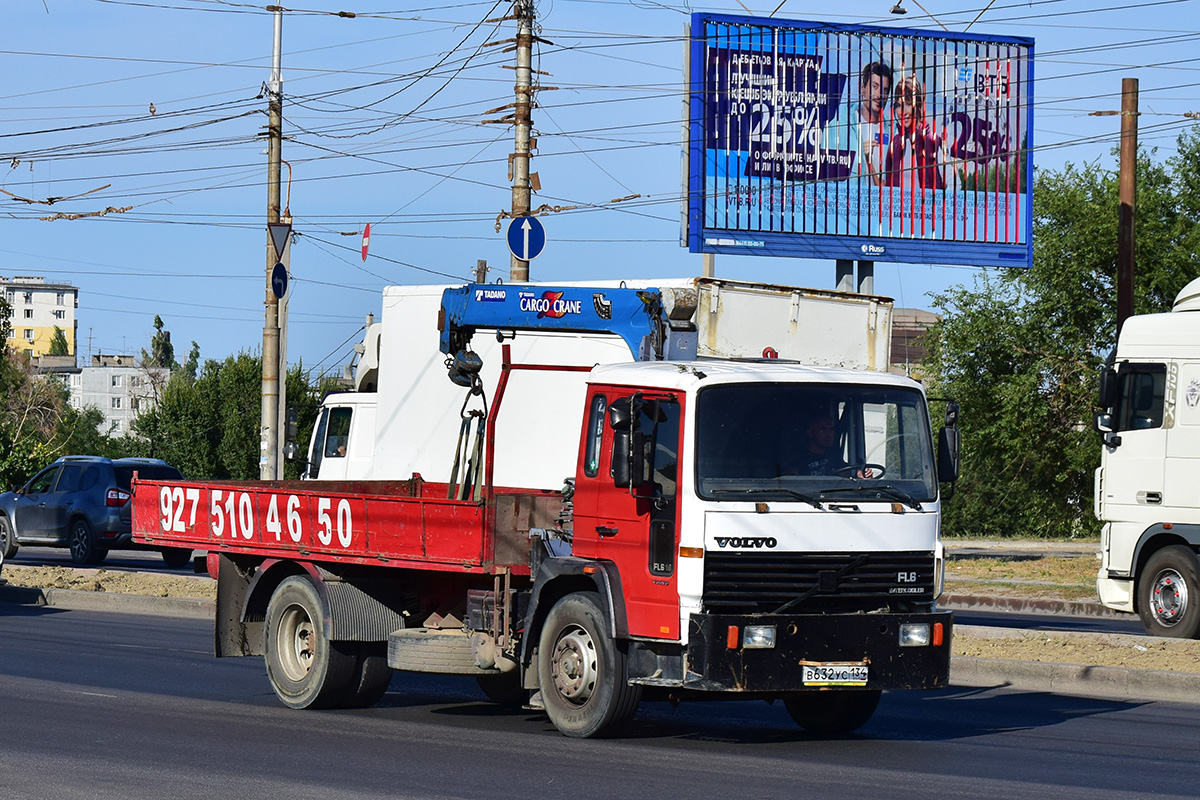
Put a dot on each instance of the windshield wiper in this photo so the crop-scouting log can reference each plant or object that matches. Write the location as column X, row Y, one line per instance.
column 883, row 488
column 812, row 501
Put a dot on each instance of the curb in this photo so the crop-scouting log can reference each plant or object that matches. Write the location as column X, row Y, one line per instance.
column 109, row 601
column 1113, row 683
column 1027, row 605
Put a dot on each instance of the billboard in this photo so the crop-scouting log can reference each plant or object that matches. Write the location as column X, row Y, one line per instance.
column 816, row 140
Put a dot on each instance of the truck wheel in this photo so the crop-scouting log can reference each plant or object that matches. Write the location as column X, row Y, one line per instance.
column 83, row 546
column 1169, row 593
column 305, row 669
column 176, row 557
column 839, row 711
column 582, row 670
column 8, row 540
column 504, row 689
column 371, row 677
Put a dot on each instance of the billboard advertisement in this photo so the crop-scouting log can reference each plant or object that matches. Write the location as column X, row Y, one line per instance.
column 815, row 140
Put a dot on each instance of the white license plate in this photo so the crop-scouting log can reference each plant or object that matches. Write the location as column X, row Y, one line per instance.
column 835, row 674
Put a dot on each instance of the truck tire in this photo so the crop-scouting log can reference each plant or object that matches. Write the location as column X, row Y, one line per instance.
column 176, row 557
column 582, row 670
column 504, row 689
column 305, row 668
column 371, row 678
column 8, row 539
column 83, row 546
column 837, row 711
column 1169, row 593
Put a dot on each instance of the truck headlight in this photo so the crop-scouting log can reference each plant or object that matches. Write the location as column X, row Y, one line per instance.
column 914, row 634
column 758, row 637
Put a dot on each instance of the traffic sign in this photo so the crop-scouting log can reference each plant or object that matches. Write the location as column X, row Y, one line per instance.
column 279, row 280
column 280, row 233
column 526, row 238
column 366, row 240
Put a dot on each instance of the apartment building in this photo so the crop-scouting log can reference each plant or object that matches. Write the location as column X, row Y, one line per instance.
column 116, row 386
column 37, row 308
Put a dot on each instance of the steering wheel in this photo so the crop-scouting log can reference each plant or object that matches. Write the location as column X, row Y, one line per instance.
column 852, row 470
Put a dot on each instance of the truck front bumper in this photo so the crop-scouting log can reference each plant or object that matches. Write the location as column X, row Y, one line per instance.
column 717, row 659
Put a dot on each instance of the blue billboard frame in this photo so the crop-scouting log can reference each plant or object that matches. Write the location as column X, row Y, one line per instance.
column 748, row 239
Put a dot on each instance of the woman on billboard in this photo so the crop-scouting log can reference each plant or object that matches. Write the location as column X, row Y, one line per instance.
column 914, row 153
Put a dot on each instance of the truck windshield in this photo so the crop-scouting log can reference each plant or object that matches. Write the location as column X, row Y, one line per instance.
column 808, row 442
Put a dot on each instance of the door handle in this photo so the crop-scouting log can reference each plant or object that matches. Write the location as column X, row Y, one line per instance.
column 41, row 505
column 1152, row 498
column 605, row 531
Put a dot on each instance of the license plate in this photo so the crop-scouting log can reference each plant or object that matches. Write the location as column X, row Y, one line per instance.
column 834, row 674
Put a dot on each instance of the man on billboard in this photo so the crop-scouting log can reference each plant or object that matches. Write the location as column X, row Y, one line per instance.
column 868, row 135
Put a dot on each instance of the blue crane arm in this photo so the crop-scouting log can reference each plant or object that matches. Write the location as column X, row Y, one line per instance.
column 633, row 314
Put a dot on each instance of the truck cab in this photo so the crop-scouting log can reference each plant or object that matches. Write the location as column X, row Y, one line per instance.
column 1146, row 486
column 343, row 440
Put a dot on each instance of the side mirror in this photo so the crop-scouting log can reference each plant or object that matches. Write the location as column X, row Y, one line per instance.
column 629, row 444
column 948, row 461
column 1104, row 425
column 1108, row 387
column 952, row 409
column 620, row 413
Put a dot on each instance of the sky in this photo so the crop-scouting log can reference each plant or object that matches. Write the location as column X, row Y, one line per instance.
column 145, row 120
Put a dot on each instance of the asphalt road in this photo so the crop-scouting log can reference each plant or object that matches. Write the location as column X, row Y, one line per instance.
column 123, row 706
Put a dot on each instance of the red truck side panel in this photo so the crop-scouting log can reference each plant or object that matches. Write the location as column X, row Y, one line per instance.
column 313, row 522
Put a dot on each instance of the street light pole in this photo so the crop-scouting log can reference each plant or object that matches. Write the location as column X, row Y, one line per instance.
column 522, row 119
column 268, row 466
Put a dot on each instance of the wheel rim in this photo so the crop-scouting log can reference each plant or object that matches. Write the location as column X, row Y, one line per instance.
column 1168, row 598
column 297, row 643
column 79, row 541
column 573, row 665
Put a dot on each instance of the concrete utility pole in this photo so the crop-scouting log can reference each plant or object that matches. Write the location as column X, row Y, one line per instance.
column 268, row 466
column 522, row 124
column 1128, row 188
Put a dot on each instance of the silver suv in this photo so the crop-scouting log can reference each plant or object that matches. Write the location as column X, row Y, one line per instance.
column 81, row 502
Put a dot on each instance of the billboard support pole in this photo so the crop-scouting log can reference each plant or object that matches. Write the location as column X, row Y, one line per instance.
column 866, row 277
column 708, row 265
column 845, row 275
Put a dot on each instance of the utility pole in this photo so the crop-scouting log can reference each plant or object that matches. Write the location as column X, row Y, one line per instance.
column 268, row 466
column 481, row 270
column 1128, row 189
column 522, row 124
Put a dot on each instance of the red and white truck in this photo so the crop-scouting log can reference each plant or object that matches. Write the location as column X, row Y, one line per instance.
column 730, row 525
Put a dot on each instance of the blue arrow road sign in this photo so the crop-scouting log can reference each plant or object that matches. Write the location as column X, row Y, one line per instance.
column 526, row 238
column 279, row 278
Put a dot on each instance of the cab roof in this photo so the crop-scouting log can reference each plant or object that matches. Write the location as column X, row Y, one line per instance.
column 684, row 376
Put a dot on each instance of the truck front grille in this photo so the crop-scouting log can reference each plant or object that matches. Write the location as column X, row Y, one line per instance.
column 760, row 583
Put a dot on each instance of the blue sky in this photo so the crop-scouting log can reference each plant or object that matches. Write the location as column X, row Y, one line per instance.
column 383, row 116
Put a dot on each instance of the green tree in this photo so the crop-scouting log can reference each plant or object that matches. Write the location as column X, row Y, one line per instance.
column 58, row 344
column 162, row 352
column 1021, row 350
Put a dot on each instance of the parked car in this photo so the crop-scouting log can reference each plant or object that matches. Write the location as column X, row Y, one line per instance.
column 81, row 502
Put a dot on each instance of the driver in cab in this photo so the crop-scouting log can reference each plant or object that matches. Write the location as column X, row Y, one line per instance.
column 822, row 456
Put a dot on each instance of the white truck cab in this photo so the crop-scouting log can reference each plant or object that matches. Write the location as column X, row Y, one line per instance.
column 1147, row 490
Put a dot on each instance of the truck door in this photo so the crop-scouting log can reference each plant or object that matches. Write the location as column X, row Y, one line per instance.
column 635, row 529
column 1133, row 479
column 327, row 461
